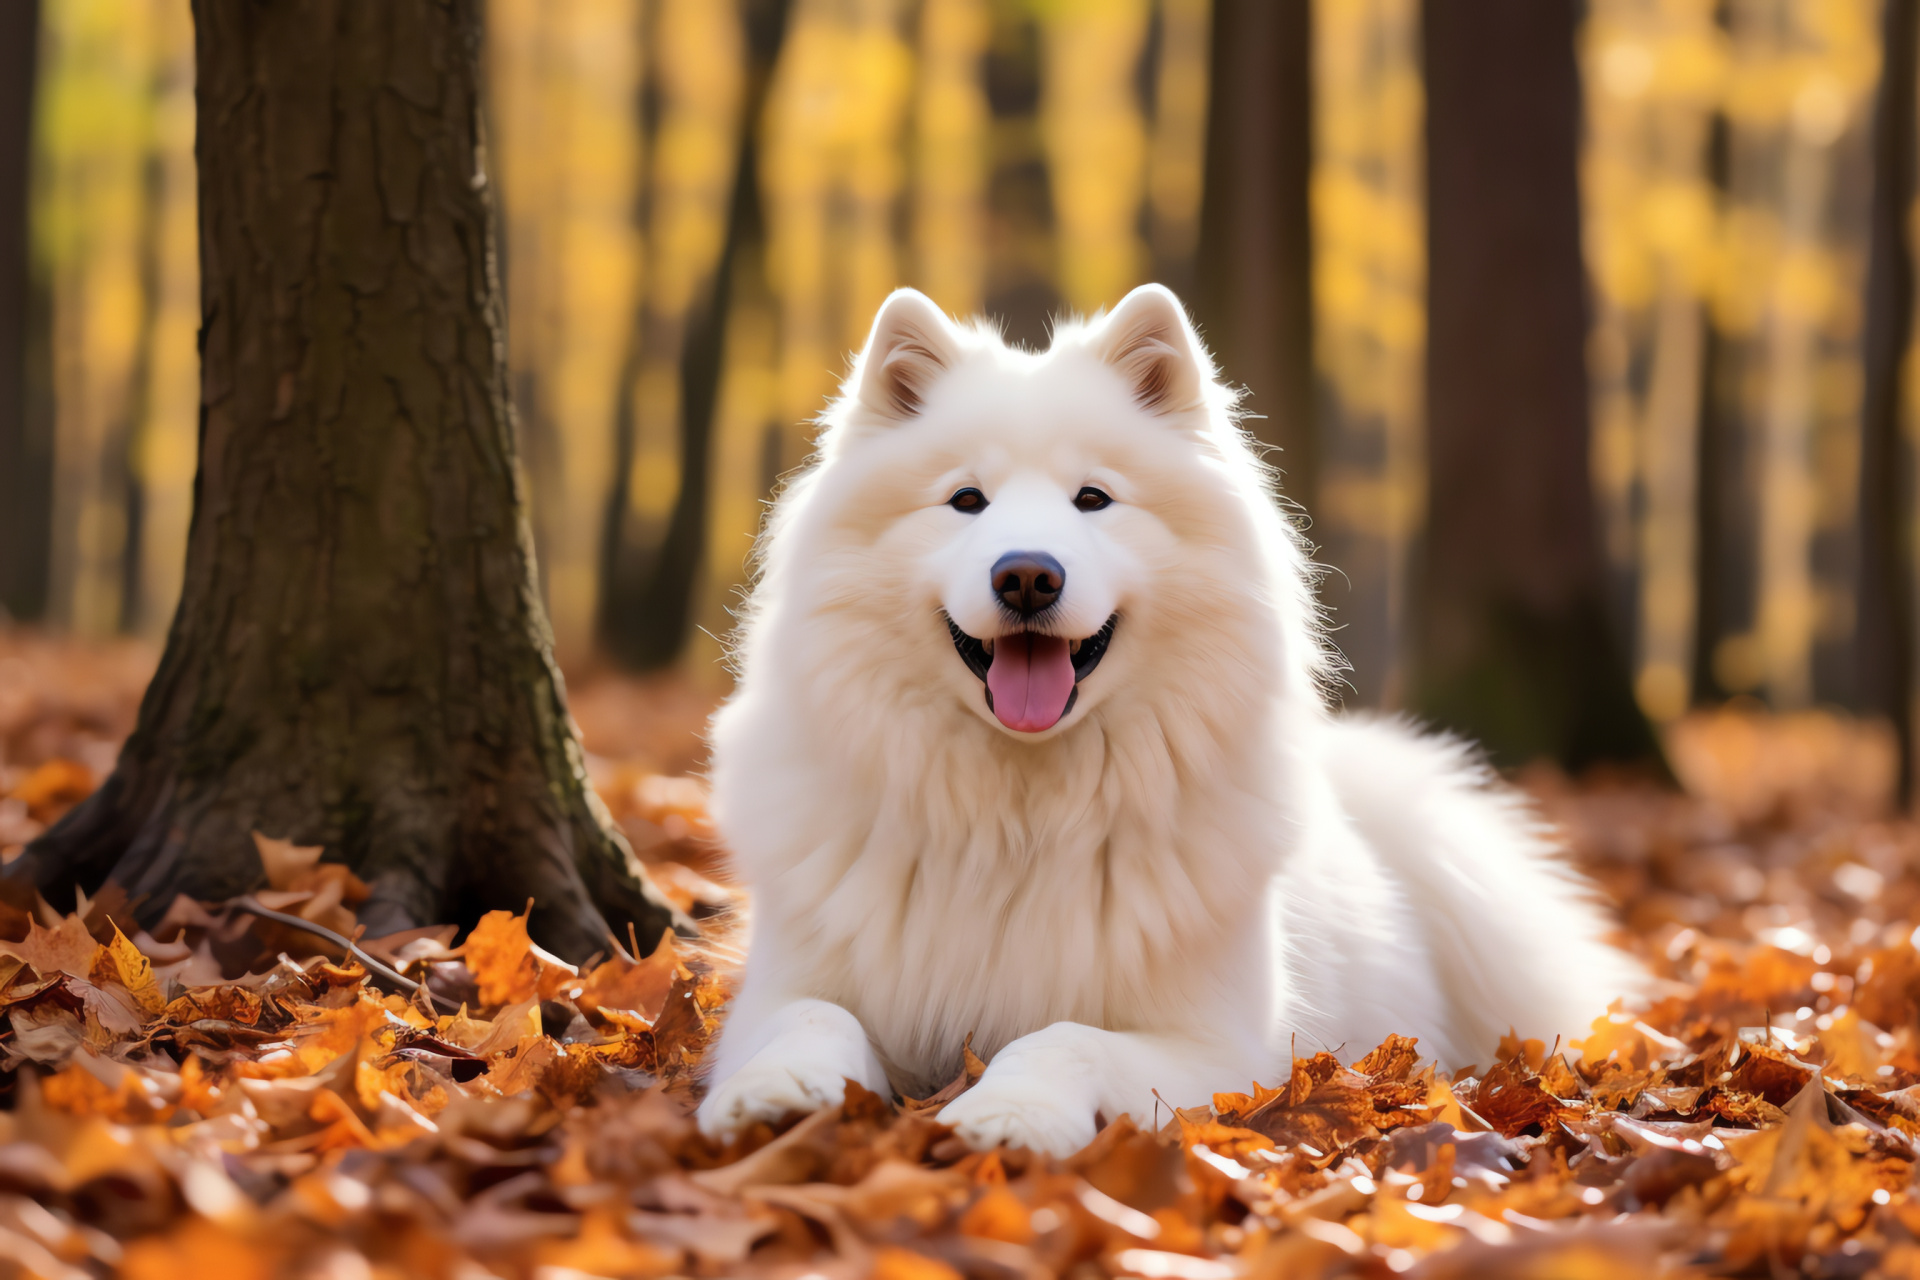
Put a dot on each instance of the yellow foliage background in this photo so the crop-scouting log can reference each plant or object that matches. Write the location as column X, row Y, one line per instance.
column 880, row 159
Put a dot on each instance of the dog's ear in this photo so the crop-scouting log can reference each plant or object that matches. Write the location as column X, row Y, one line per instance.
column 911, row 345
column 1147, row 338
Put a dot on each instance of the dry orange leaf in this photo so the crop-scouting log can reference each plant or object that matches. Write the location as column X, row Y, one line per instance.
column 998, row 1215
column 508, row 966
column 632, row 986
column 199, row 1250
column 331, row 1033
column 500, row 954
column 894, row 1263
column 53, row 788
column 345, row 1130
column 602, row 1248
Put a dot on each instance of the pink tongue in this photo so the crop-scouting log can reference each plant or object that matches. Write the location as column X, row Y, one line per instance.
column 1031, row 680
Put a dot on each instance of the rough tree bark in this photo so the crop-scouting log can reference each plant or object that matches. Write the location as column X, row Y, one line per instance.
column 26, row 436
column 360, row 659
column 1517, row 648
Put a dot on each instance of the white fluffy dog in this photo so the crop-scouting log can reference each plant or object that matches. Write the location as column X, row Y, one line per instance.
column 1030, row 742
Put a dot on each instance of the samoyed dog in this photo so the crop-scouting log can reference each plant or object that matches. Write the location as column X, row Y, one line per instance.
column 1031, row 743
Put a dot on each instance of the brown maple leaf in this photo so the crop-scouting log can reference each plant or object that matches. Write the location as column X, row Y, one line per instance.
column 1394, row 1059
column 66, row 948
column 1325, row 1107
column 687, row 1023
column 1512, row 1099
column 634, row 986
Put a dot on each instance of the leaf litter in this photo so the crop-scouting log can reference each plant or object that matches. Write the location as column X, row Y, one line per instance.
column 223, row 1097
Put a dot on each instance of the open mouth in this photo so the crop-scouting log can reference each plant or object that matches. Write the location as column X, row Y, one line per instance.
column 1032, row 679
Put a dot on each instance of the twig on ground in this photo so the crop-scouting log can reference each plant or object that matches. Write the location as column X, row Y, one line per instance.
column 251, row 905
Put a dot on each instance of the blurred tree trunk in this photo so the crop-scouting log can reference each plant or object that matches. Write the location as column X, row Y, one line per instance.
column 136, row 431
column 1516, row 647
column 1255, row 297
column 1886, row 628
column 26, row 425
column 360, row 659
column 1727, row 584
column 647, row 594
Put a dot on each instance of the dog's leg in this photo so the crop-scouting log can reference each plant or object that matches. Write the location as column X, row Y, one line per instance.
column 1044, row 1090
column 798, row 1058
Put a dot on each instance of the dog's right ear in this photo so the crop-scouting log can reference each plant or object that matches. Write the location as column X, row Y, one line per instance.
column 911, row 345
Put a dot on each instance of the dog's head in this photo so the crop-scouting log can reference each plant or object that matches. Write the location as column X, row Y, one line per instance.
column 1035, row 532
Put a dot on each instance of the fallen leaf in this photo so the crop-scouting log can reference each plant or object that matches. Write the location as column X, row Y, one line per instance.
column 284, row 861
column 53, row 788
column 121, row 962
column 508, row 966
column 637, row 987
column 1324, row 1106
column 65, row 948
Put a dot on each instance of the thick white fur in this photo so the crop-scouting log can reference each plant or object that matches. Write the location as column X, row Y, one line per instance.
column 1196, row 871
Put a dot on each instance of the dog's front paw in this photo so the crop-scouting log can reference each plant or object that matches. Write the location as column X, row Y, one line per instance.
column 768, row 1088
column 1021, row 1110
column 807, row 1051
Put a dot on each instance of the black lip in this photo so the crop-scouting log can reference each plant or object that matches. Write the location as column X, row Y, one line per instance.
column 974, row 653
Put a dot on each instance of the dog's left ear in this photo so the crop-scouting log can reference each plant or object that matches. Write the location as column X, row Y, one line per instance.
column 1147, row 338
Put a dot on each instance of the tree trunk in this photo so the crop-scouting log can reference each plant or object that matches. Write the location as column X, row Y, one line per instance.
column 360, row 659
column 1884, row 658
column 26, row 426
column 647, row 593
column 1516, row 645
column 1255, row 296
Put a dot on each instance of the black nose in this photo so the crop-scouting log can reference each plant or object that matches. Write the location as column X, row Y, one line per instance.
column 1028, row 581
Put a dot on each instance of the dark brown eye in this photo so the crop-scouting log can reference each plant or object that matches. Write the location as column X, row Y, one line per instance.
column 968, row 500
column 1091, row 499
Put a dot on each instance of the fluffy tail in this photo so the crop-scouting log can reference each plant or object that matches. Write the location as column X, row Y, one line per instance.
column 1518, row 935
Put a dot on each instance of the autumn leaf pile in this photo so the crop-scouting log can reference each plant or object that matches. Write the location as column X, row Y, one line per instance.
column 225, row 1097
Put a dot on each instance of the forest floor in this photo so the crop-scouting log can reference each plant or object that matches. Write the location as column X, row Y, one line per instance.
column 219, row 1099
